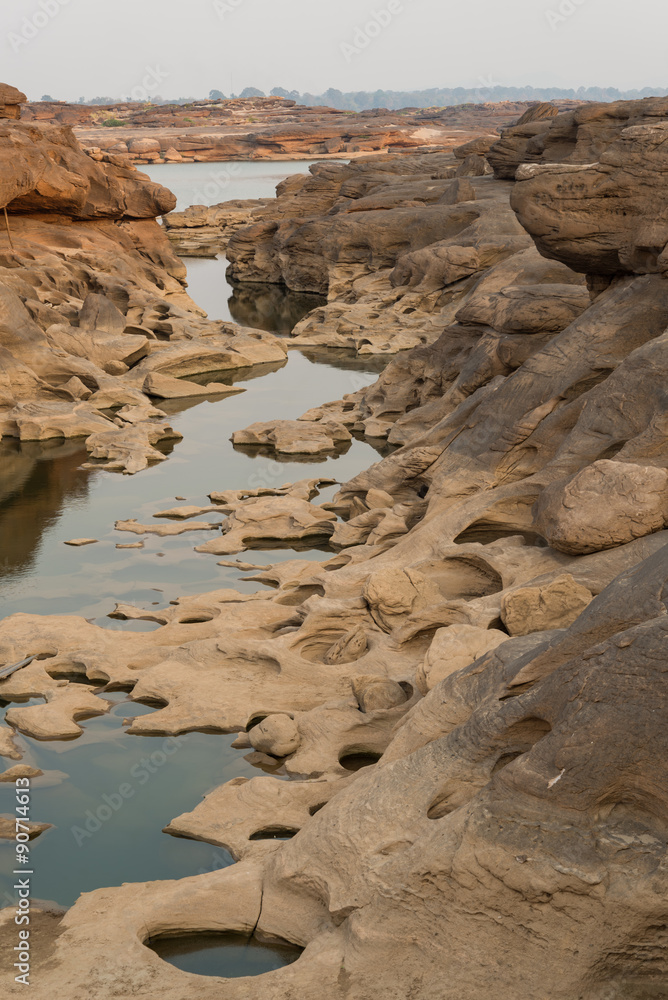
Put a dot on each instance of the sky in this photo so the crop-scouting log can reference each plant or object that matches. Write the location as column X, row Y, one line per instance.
column 181, row 48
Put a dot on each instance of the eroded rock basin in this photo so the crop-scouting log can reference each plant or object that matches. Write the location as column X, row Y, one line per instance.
column 108, row 795
column 230, row 956
column 46, row 499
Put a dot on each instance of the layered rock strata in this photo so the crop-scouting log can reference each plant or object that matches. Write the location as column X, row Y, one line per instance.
column 490, row 641
column 268, row 128
column 93, row 306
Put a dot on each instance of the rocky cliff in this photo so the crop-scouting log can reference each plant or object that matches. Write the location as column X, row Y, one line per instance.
column 489, row 632
column 95, row 322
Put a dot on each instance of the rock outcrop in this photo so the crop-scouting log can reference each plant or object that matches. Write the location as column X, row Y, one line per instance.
column 471, row 691
column 11, row 100
column 93, row 302
column 269, row 128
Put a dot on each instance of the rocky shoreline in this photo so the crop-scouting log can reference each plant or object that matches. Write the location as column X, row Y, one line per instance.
column 487, row 631
column 269, row 129
column 96, row 325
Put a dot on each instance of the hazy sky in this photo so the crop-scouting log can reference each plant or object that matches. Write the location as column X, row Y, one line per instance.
column 70, row 48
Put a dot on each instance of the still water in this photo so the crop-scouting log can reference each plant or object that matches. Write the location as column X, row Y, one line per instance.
column 228, row 955
column 46, row 499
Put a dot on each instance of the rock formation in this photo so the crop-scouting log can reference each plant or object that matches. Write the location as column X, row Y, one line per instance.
column 11, row 100
column 93, row 307
column 488, row 637
column 270, row 128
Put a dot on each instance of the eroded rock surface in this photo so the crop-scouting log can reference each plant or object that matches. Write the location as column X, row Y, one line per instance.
column 476, row 715
column 93, row 307
column 606, row 504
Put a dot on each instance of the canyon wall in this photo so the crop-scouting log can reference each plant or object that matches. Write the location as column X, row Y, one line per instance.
column 489, row 631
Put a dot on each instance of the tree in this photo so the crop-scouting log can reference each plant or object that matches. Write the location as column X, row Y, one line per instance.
column 46, row 97
column 252, row 92
column 216, row 95
column 334, row 98
column 290, row 95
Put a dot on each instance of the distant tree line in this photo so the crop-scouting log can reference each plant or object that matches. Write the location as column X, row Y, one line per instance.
column 444, row 97
column 393, row 100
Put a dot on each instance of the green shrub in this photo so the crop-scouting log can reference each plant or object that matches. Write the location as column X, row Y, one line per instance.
column 112, row 122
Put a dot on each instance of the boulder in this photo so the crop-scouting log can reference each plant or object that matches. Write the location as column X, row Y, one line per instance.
column 606, row 504
column 11, row 100
column 348, row 648
column 544, row 606
column 144, row 146
column 538, row 112
column 452, row 649
column 276, row 735
column 375, row 694
column 527, row 308
column 295, row 437
column 475, row 147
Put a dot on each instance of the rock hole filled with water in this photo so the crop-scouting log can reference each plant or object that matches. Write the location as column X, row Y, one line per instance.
column 228, row 956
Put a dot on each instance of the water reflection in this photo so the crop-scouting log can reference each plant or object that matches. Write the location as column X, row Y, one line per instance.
column 230, row 956
column 271, row 307
column 38, row 480
column 109, row 795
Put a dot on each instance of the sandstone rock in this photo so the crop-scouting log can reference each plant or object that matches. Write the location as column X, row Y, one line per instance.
column 172, row 155
column 475, row 147
column 11, row 100
column 240, row 809
column 608, row 503
column 379, row 498
column 375, row 694
column 56, row 175
column 92, row 302
column 271, row 520
column 167, row 387
column 99, row 313
column 473, row 166
column 624, row 241
column 294, row 437
column 56, row 719
column 539, row 608
column 183, row 513
column 20, row 771
column 527, row 309
column 458, row 191
column 453, row 649
column 539, row 112
column 202, row 231
column 578, row 136
column 132, row 448
column 8, row 747
column 8, row 828
column 144, row 146
column 164, row 530
column 276, row 735
column 507, row 789
column 78, row 542
column 348, row 648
